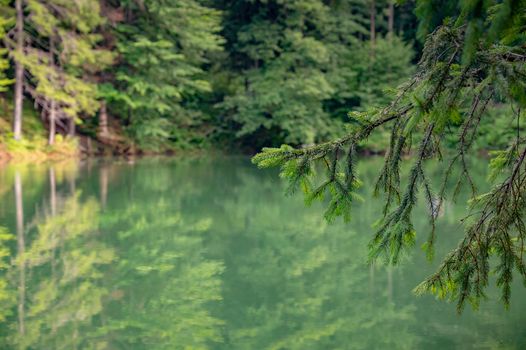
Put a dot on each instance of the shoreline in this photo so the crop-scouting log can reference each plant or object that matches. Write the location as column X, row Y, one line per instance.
column 38, row 156
column 41, row 156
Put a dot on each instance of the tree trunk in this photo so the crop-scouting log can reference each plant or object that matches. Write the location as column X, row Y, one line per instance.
column 89, row 145
column 372, row 28
column 390, row 26
column 52, row 104
column 19, row 72
column 103, row 119
column 71, row 127
column 390, row 19
column 19, row 207
column 52, row 123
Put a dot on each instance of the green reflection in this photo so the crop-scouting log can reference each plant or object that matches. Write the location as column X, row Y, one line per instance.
column 162, row 282
column 208, row 254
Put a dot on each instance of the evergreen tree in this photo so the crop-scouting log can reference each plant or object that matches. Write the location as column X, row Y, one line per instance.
column 390, row 67
column 462, row 73
column 278, row 63
column 60, row 52
column 6, row 20
column 164, row 46
column 431, row 14
column 172, row 86
column 296, row 65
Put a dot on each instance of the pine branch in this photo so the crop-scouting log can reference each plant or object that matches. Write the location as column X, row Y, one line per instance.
column 426, row 109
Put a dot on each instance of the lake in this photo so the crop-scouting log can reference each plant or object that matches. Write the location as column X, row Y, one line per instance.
column 208, row 253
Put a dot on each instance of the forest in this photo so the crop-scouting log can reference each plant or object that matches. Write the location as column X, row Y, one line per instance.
column 156, row 76
column 146, row 147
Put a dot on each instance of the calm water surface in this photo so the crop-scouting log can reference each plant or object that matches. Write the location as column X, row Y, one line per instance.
column 209, row 254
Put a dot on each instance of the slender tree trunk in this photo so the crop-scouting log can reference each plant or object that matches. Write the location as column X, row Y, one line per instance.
column 71, row 127
column 19, row 72
column 103, row 119
column 372, row 29
column 390, row 19
column 89, row 145
column 19, row 207
column 52, row 123
column 52, row 104
column 390, row 26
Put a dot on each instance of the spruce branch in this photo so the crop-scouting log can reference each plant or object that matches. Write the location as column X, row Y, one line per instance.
column 446, row 94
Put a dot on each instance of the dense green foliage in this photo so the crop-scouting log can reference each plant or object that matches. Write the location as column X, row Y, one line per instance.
column 162, row 75
column 62, row 55
column 296, row 68
column 163, row 48
column 6, row 20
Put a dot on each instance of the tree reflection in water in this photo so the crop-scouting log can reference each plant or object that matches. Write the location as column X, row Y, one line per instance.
column 208, row 254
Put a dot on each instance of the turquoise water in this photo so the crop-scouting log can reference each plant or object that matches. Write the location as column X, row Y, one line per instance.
column 209, row 254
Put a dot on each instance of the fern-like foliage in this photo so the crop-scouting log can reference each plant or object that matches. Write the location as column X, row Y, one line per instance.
column 459, row 77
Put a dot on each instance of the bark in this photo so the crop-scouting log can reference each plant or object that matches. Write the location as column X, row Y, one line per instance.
column 19, row 72
column 390, row 19
column 52, row 123
column 52, row 104
column 89, row 145
column 103, row 119
column 71, row 127
column 372, row 29
column 390, row 27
